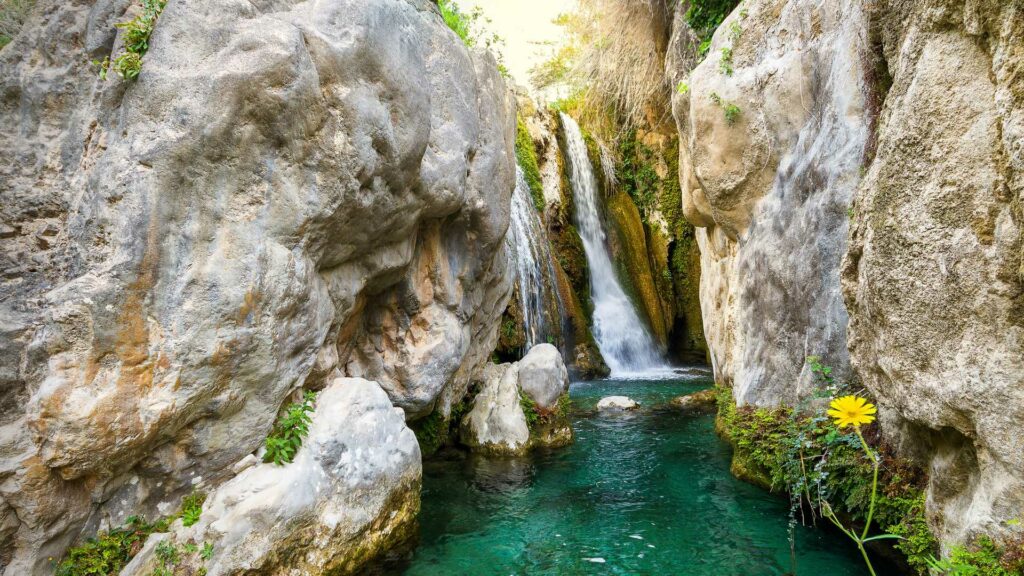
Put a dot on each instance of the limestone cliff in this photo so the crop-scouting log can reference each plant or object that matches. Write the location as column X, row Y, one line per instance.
column 934, row 276
column 287, row 192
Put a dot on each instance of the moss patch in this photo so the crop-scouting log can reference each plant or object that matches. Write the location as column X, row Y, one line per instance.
column 526, row 155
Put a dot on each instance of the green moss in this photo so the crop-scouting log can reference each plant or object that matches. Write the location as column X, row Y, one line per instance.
column 629, row 245
column 431, row 432
column 526, row 155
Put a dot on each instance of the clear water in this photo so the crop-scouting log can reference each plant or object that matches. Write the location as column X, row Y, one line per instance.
column 648, row 494
column 625, row 343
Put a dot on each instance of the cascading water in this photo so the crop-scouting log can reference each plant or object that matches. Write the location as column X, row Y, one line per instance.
column 622, row 337
column 533, row 262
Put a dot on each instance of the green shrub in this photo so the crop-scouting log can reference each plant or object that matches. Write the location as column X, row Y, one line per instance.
column 725, row 62
column 431, row 432
column 289, row 431
column 983, row 558
column 732, row 113
column 526, row 155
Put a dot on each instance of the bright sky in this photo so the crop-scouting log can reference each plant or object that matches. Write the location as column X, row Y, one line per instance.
column 524, row 24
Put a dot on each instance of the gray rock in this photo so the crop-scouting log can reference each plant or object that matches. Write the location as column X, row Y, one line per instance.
column 288, row 191
column 543, row 376
column 769, row 192
column 353, row 485
column 496, row 423
column 934, row 278
column 617, row 404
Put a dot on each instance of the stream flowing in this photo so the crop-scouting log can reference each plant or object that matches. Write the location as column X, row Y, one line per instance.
column 622, row 337
column 645, row 493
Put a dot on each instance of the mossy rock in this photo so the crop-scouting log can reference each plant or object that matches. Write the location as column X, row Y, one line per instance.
column 629, row 248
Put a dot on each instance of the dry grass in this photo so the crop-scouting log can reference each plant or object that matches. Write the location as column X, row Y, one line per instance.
column 13, row 14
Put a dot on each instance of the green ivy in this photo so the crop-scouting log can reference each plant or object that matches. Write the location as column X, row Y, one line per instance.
column 704, row 17
column 286, row 437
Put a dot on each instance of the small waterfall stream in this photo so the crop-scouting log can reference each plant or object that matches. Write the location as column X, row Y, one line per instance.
column 621, row 335
column 532, row 255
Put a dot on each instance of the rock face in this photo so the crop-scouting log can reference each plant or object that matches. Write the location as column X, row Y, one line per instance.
column 352, row 490
column 543, row 376
column 286, row 192
column 497, row 423
column 933, row 278
column 769, row 186
column 905, row 118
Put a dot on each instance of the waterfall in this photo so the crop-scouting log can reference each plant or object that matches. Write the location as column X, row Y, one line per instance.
column 622, row 337
column 529, row 246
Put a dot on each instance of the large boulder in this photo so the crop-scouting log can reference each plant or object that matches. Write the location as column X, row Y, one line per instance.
column 520, row 406
column 352, row 492
column 496, row 423
column 287, row 191
column 543, row 376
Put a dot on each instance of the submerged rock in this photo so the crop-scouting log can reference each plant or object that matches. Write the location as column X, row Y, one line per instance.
column 617, row 403
column 702, row 402
column 352, row 492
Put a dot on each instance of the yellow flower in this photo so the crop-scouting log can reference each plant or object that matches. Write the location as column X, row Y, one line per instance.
column 852, row 411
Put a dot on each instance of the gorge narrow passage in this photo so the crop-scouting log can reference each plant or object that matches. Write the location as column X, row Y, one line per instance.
column 648, row 492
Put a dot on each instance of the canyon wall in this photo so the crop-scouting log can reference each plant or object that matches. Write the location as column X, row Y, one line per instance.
column 854, row 171
column 287, row 193
column 934, row 276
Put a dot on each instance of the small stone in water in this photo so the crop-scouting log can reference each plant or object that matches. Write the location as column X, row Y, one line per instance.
column 595, row 560
column 636, row 536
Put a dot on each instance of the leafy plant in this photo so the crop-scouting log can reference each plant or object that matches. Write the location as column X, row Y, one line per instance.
column 109, row 551
column 192, row 508
column 137, row 32
column 704, row 16
column 286, row 437
column 207, row 552
column 529, row 409
column 725, row 62
column 471, row 28
column 168, row 555
column 732, row 113
column 683, row 87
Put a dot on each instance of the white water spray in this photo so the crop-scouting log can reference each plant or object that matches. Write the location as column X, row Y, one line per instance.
column 529, row 247
column 622, row 337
